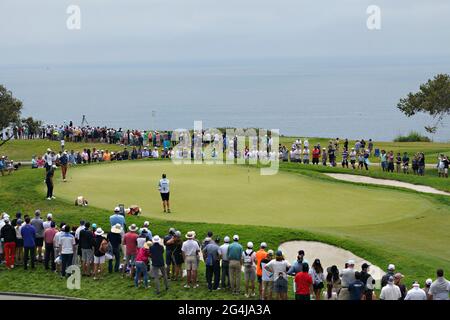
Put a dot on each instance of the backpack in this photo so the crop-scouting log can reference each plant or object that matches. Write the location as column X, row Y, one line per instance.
column 248, row 258
column 103, row 246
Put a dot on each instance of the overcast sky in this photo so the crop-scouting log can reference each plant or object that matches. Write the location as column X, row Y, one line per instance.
column 119, row 31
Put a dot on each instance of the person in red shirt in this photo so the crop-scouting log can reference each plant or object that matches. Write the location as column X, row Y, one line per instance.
column 316, row 155
column 303, row 284
column 130, row 243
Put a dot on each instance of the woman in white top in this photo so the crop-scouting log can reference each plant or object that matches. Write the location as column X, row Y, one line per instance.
column 316, row 272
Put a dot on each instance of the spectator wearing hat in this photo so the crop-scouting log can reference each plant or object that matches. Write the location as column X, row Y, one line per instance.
column 416, row 293
column 117, row 218
column 398, row 282
column 225, row 267
column 249, row 259
column 318, row 277
column 169, row 249
column 67, row 244
column 49, row 256
column 158, row 265
column 428, row 283
column 176, row 244
column 267, row 277
column 64, row 163
column 56, row 246
column 141, row 264
column 211, row 257
column 368, row 280
column 100, row 249
column 29, row 243
column 47, row 223
column 86, row 244
column 190, row 250
column 234, row 254
column 279, row 268
column 130, row 242
column 115, row 239
column 390, row 273
column 390, row 291
column 297, row 266
column 347, row 277
column 8, row 236
column 440, row 287
column 38, row 225
column 49, row 182
column 260, row 255
column 303, row 284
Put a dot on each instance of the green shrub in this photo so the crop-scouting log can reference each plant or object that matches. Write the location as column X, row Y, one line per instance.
column 413, row 136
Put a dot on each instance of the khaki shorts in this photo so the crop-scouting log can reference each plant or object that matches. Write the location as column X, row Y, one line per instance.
column 191, row 263
column 249, row 273
column 267, row 286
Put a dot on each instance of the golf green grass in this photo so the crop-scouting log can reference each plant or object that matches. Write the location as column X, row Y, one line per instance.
column 238, row 195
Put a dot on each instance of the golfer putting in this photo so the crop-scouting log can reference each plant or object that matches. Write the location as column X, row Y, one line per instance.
column 163, row 187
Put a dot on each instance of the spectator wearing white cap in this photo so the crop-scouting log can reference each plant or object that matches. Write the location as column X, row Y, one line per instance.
column 48, row 222
column 8, row 236
column 416, row 293
column 190, row 250
column 390, row 291
column 158, row 265
column 390, row 273
column 398, row 282
column 225, row 268
column 440, row 287
column 428, row 283
column 117, row 218
column 249, row 258
column 260, row 255
column 347, row 277
column 234, row 254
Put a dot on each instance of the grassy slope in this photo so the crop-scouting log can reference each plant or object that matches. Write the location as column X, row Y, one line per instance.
column 402, row 242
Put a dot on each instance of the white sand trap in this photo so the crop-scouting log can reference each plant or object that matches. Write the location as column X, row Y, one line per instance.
column 329, row 255
column 383, row 182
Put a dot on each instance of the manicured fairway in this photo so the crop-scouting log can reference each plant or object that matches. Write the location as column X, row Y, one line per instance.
column 238, row 195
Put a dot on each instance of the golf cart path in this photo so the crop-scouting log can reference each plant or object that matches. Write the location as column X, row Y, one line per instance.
column 329, row 255
column 385, row 182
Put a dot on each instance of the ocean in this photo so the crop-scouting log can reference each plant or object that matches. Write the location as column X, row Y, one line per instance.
column 318, row 97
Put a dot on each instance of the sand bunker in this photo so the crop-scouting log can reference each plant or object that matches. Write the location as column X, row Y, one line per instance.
column 383, row 182
column 329, row 255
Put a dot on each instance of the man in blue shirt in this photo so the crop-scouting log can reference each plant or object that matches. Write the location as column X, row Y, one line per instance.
column 234, row 254
column 117, row 218
column 29, row 243
column 356, row 288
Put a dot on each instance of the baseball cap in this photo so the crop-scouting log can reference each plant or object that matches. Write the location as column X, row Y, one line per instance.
column 416, row 284
column 429, row 281
column 279, row 253
column 263, row 245
column 301, row 253
column 146, row 223
column 270, row 253
column 37, row 213
column 391, row 279
column 391, row 267
column 116, row 209
column 398, row 275
column 250, row 245
column 351, row 262
column 365, row 265
column 236, row 237
column 49, row 215
column 226, row 239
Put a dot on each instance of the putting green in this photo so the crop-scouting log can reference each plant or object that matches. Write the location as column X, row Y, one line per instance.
column 234, row 194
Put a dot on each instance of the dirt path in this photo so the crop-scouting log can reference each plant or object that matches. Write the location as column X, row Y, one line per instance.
column 329, row 255
column 384, row 182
